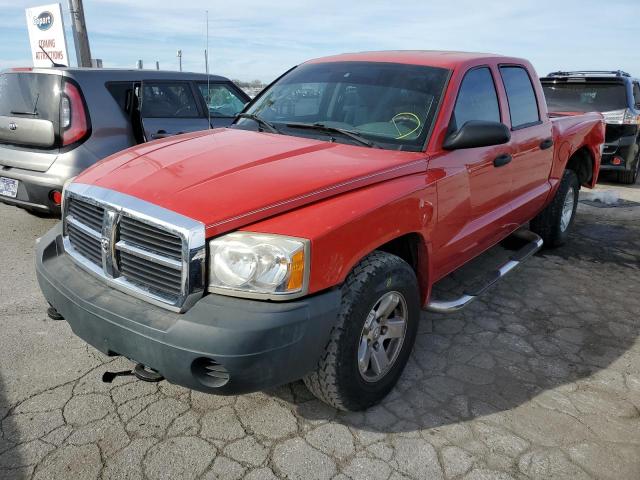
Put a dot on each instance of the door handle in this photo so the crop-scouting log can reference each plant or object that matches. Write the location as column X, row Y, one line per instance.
column 546, row 143
column 502, row 160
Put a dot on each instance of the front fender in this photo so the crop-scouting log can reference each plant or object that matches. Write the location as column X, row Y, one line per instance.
column 346, row 228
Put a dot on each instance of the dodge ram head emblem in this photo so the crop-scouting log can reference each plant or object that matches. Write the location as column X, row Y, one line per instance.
column 13, row 126
column 105, row 244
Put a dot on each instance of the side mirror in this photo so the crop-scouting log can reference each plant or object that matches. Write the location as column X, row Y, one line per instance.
column 478, row 133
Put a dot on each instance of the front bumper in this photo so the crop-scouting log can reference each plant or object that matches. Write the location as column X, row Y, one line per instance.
column 625, row 148
column 259, row 344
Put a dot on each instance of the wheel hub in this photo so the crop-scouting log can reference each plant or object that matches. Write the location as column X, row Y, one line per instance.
column 567, row 210
column 382, row 336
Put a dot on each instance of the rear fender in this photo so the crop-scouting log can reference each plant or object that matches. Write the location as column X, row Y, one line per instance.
column 582, row 140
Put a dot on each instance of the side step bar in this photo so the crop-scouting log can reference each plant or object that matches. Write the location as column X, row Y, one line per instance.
column 534, row 243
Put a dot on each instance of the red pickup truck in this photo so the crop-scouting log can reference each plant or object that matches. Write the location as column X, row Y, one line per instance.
column 303, row 241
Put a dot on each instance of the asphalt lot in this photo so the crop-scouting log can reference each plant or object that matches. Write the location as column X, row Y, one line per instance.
column 540, row 379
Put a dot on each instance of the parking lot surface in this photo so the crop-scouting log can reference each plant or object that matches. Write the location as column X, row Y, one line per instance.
column 539, row 379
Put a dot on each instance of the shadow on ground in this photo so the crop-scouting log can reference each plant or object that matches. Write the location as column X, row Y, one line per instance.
column 566, row 316
column 11, row 456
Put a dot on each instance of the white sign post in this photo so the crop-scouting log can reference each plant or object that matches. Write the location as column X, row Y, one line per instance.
column 46, row 31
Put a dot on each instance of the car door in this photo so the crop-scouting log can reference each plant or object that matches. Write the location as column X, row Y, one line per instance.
column 169, row 108
column 475, row 192
column 531, row 136
column 223, row 100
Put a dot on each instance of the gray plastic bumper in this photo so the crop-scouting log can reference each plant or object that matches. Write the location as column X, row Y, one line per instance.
column 258, row 344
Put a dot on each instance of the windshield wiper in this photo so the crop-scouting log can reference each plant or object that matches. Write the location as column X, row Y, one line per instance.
column 15, row 112
column 260, row 121
column 35, row 109
column 328, row 129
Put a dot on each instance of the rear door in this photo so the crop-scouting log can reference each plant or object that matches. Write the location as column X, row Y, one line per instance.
column 532, row 153
column 223, row 100
column 169, row 108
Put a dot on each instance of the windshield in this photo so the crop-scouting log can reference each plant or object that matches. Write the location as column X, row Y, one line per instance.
column 585, row 96
column 392, row 105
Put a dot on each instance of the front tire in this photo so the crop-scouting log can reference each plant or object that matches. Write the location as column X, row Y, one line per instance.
column 555, row 221
column 373, row 336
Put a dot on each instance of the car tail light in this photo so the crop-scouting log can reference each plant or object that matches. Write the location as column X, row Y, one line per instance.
column 56, row 196
column 73, row 118
column 621, row 117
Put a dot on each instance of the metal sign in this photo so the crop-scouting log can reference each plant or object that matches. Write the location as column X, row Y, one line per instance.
column 46, row 31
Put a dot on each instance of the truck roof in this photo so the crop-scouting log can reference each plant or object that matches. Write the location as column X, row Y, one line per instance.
column 433, row 58
column 118, row 73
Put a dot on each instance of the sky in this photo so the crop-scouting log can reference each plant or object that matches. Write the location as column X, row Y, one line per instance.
column 258, row 39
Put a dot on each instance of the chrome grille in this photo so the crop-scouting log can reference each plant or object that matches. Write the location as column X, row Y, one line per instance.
column 135, row 246
column 150, row 274
column 85, row 244
column 84, row 228
column 87, row 213
column 150, row 237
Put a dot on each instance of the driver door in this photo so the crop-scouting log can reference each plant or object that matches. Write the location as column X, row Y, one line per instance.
column 169, row 108
column 475, row 192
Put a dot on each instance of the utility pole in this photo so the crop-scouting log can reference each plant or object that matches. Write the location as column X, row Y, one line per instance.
column 179, row 55
column 80, row 37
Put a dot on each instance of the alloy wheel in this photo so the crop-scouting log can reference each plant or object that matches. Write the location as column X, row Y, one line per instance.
column 382, row 336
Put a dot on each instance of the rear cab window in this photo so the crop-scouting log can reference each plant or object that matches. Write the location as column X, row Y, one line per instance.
column 221, row 99
column 477, row 99
column 25, row 97
column 521, row 97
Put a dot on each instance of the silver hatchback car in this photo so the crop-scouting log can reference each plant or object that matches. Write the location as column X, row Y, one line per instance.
column 56, row 122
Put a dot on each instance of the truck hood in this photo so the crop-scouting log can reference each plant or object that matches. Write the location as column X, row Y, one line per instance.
column 228, row 178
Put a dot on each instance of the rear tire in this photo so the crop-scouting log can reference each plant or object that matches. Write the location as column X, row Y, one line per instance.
column 345, row 377
column 555, row 221
column 629, row 177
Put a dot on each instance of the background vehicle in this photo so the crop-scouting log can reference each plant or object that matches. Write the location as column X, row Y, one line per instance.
column 304, row 240
column 55, row 122
column 615, row 94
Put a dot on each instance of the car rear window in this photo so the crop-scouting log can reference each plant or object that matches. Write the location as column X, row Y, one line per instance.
column 30, row 95
column 585, row 96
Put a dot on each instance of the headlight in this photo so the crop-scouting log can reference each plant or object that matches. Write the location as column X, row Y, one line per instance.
column 258, row 265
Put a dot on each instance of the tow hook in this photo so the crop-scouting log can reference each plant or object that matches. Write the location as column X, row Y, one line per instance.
column 142, row 372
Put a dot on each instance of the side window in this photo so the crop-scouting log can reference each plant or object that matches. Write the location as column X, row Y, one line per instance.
column 221, row 100
column 477, row 99
column 636, row 94
column 168, row 100
column 523, row 106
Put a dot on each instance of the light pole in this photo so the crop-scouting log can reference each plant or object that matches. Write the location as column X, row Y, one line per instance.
column 80, row 37
column 179, row 55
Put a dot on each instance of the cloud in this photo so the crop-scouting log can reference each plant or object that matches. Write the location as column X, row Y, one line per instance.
column 256, row 39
